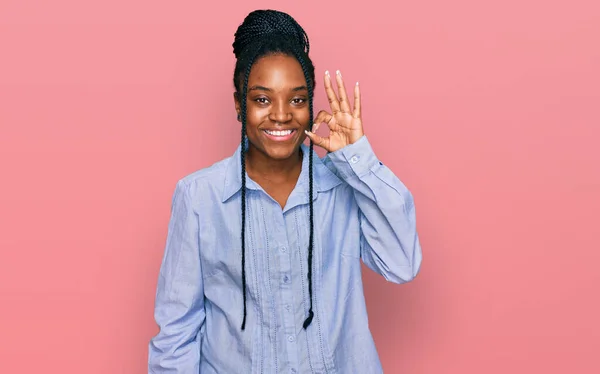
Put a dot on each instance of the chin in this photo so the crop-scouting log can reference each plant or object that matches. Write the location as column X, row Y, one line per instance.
column 281, row 152
column 275, row 150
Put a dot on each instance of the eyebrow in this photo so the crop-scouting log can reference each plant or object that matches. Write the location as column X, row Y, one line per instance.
column 262, row 88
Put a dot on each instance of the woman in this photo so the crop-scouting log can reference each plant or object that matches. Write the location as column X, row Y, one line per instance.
column 262, row 265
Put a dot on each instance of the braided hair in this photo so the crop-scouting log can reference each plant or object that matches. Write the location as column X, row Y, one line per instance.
column 264, row 33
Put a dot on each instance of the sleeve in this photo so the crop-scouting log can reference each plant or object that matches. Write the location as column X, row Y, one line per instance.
column 179, row 307
column 389, row 243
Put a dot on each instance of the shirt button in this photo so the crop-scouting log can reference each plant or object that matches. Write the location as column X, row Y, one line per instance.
column 290, row 338
column 286, row 279
column 293, row 371
column 354, row 159
column 283, row 249
column 288, row 307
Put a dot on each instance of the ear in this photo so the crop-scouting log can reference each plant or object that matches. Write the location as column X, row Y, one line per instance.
column 238, row 107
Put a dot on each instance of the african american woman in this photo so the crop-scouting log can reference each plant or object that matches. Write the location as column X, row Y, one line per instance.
column 261, row 271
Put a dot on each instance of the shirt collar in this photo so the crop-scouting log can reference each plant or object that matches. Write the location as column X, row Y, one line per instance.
column 323, row 178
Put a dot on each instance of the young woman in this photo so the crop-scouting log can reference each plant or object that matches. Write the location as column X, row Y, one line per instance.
column 262, row 266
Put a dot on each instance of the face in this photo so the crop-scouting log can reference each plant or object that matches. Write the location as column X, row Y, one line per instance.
column 277, row 107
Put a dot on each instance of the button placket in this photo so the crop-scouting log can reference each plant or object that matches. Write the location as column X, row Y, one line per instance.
column 287, row 282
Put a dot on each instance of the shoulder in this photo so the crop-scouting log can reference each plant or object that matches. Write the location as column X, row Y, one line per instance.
column 205, row 183
column 209, row 174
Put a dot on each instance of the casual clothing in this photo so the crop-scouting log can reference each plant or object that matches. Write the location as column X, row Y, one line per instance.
column 362, row 211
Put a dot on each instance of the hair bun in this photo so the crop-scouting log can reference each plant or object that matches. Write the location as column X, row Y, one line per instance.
column 261, row 24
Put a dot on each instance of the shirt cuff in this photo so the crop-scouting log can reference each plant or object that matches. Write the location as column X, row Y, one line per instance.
column 354, row 160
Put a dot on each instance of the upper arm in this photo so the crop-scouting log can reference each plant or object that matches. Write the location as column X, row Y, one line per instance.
column 179, row 307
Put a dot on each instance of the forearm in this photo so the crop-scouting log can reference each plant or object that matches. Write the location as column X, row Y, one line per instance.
column 389, row 240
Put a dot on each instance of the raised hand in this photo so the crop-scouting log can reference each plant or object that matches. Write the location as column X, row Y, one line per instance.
column 345, row 124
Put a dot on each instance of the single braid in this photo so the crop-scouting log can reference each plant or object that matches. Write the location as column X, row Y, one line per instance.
column 309, row 84
column 243, row 161
column 311, row 236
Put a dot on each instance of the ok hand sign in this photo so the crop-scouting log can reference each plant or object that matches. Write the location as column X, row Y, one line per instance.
column 345, row 124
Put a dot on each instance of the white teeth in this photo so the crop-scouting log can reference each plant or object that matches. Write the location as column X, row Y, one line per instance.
column 279, row 133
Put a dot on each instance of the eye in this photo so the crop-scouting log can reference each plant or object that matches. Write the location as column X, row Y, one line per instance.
column 298, row 101
column 262, row 100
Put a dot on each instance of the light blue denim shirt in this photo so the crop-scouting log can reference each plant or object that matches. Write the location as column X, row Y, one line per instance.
column 362, row 211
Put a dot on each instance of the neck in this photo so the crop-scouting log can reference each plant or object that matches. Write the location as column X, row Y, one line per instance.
column 260, row 166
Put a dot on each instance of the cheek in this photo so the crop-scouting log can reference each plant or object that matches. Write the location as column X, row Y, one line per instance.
column 254, row 116
column 303, row 116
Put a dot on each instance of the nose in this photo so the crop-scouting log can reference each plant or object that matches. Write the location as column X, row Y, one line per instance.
column 280, row 113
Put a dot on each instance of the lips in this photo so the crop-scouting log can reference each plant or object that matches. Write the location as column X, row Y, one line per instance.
column 279, row 132
column 280, row 135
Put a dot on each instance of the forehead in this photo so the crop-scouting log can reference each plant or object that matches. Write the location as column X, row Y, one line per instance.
column 276, row 71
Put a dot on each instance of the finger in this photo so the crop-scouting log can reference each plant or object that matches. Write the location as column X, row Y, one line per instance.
column 331, row 97
column 356, row 112
column 322, row 116
column 318, row 140
column 344, row 103
column 316, row 126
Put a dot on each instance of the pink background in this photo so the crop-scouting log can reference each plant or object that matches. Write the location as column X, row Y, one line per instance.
column 488, row 110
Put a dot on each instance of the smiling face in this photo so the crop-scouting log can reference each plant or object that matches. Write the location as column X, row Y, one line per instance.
column 277, row 107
